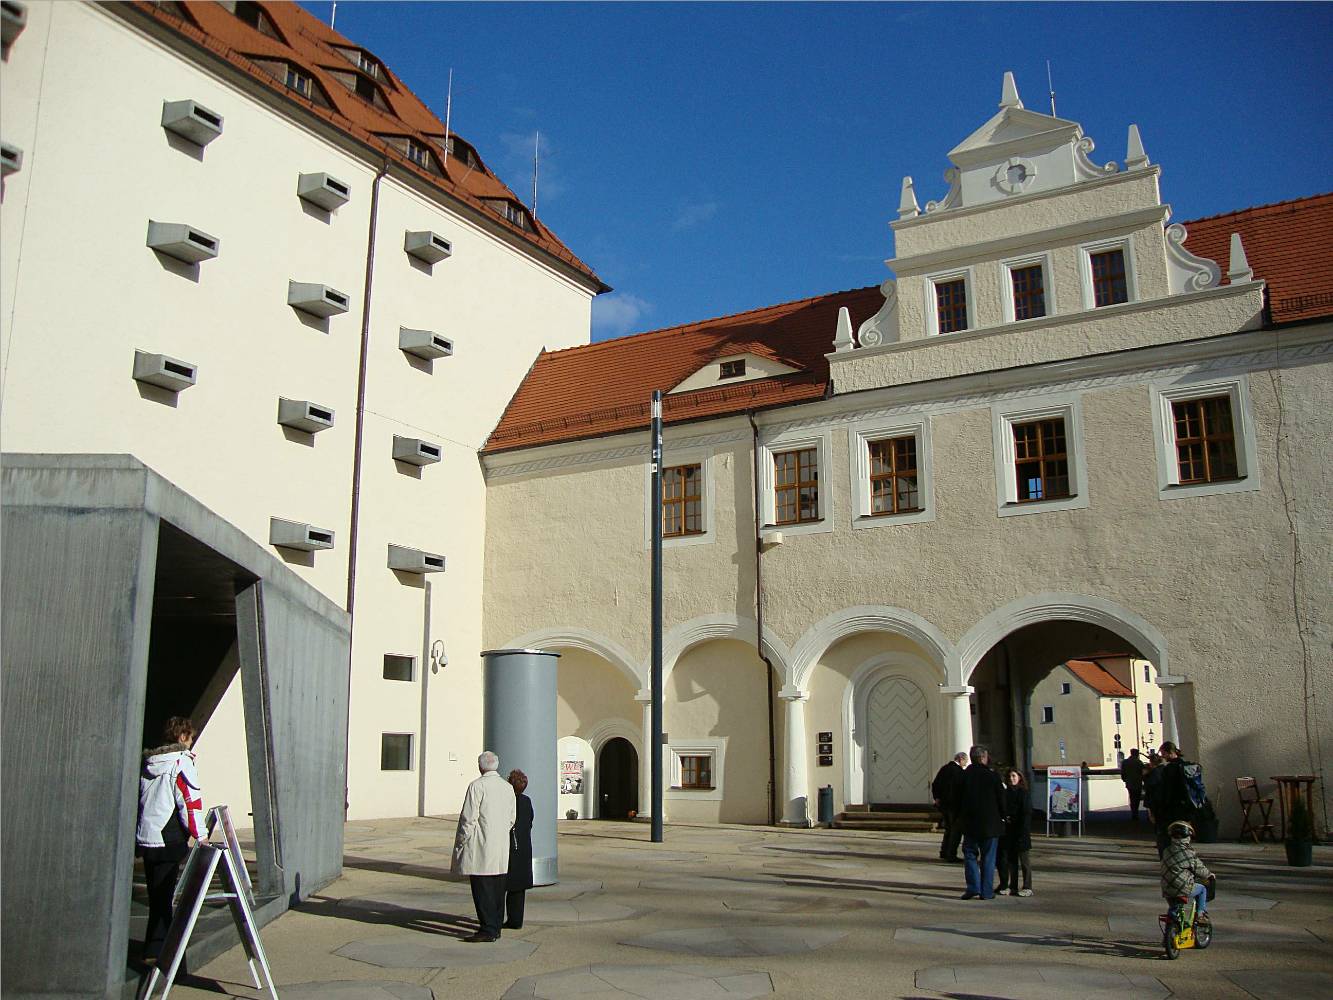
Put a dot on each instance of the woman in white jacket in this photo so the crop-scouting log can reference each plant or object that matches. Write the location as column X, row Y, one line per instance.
column 481, row 848
column 171, row 819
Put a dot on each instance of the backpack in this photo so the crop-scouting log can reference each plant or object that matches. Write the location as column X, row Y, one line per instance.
column 1194, row 789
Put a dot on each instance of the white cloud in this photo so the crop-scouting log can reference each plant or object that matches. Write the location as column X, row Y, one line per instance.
column 693, row 214
column 616, row 314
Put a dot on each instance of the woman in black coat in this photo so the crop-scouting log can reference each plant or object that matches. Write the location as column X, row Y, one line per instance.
column 1016, row 841
column 520, row 854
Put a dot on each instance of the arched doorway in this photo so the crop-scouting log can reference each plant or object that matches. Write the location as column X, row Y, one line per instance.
column 897, row 742
column 617, row 779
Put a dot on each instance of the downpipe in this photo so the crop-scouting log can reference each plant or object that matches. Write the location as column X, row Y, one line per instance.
column 759, row 624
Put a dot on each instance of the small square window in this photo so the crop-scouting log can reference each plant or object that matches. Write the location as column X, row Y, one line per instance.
column 796, row 486
column 1029, row 288
column 1109, row 282
column 298, row 81
column 399, row 668
column 682, row 501
column 1047, row 714
column 732, row 369
column 1065, row 688
column 395, row 751
column 696, row 771
column 951, row 305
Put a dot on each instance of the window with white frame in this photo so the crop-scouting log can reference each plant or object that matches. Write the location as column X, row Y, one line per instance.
column 695, row 768
column 1039, row 463
column 687, row 498
column 1029, row 291
column 1205, row 438
column 891, row 470
column 794, row 468
column 949, row 308
column 1108, row 273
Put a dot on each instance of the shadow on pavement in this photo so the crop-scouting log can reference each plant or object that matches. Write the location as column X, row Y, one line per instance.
column 426, row 921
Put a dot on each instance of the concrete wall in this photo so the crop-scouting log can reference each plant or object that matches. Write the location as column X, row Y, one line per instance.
column 81, row 542
column 83, row 291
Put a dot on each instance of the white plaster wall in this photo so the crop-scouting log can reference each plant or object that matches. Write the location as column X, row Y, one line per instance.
column 82, row 292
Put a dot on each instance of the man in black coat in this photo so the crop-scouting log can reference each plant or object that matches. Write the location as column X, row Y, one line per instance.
column 1131, row 773
column 1167, row 797
column 982, row 808
column 946, row 789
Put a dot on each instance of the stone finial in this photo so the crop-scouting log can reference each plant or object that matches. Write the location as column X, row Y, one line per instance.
column 1009, row 94
column 1238, row 270
column 843, row 340
column 1135, row 157
column 907, row 206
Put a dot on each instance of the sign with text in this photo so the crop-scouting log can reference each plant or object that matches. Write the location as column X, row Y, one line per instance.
column 1064, row 797
column 571, row 777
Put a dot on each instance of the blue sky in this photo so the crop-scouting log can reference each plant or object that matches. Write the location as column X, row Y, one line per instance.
column 711, row 158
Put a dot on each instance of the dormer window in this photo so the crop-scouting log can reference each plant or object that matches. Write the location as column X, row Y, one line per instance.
column 732, row 369
column 253, row 15
column 951, row 304
column 511, row 211
column 1109, row 284
column 298, row 81
column 294, row 78
column 415, row 150
column 363, row 61
column 362, row 86
column 462, row 152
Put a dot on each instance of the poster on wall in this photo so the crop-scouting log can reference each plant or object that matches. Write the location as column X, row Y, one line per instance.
column 571, row 777
column 1064, row 796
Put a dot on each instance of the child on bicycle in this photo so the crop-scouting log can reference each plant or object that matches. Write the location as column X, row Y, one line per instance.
column 1183, row 874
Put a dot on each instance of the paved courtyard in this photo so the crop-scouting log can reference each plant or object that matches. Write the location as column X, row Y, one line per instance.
column 742, row 912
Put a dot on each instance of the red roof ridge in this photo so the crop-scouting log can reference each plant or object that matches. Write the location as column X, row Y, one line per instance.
column 700, row 323
column 1308, row 199
column 1098, row 678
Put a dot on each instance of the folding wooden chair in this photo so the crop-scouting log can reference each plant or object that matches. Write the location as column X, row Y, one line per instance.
column 1248, row 791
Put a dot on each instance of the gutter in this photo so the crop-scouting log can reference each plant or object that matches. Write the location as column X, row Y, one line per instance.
column 759, row 626
column 353, row 531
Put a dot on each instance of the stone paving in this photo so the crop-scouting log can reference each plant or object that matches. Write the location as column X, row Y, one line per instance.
column 741, row 912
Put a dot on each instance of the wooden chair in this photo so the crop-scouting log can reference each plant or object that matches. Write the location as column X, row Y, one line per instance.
column 1247, row 789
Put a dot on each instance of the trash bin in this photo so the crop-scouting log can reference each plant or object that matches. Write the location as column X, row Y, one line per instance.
column 826, row 806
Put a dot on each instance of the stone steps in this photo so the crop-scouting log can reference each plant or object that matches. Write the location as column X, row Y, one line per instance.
column 889, row 816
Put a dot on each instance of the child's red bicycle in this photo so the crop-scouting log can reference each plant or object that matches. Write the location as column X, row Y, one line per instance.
column 1184, row 927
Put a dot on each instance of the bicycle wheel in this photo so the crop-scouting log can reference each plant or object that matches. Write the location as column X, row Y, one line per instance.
column 1170, row 942
column 1203, row 931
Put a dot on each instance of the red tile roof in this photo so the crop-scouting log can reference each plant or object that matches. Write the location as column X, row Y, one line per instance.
column 1098, row 678
column 312, row 46
column 1289, row 244
column 603, row 388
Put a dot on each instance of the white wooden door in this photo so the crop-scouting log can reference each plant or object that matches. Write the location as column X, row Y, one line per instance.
column 897, row 745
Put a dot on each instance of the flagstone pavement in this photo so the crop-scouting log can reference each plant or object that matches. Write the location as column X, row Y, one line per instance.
column 739, row 912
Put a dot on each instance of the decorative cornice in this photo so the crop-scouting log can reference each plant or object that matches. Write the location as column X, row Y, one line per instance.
column 1123, row 223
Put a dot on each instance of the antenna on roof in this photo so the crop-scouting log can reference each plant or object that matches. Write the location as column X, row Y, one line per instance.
column 333, row 14
column 536, row 145
column 448, row 110
column 1051, row 87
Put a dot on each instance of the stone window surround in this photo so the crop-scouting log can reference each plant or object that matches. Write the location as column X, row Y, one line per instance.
column 968, row 276
column 701, row 457
column 1085, row 252
column 1047, row 283
column 791, row 440
column 1164, row 435
column 860, row 435
column 714, row 747
column 1065, row 406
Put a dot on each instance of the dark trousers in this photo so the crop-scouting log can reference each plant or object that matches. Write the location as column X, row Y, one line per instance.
column 979, row 865
column 1010, row 863
column 488, row 896
column 514, row 908
column 1135, row 797
column 161, row 868
column 953, row 835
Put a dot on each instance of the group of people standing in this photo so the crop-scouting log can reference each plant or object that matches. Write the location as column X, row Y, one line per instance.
column 493, row 847
column 990, row 812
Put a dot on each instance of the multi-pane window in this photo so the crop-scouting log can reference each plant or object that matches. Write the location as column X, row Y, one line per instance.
column 951, row 305
column 682, row 507
column 796, row 486
column 1041, row 461
column 1029, row 291
column 893, row 476
column 696, row 771
column 1108, row 277
column 1205, row 439
column 418, row 154
column 298, row 81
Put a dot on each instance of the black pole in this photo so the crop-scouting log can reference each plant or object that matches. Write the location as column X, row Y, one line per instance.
column 655, row 742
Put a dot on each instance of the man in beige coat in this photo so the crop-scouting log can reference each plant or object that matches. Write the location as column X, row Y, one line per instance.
column 481, row 849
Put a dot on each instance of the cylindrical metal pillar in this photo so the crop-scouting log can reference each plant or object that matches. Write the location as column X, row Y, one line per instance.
column 518, row 724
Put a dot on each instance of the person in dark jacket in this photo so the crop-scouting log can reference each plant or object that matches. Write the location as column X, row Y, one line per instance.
column 946, row 790
column 519, row 880
column 982, row 808
column 1131, row 773
column 1167, row 797
column 1017, row 839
